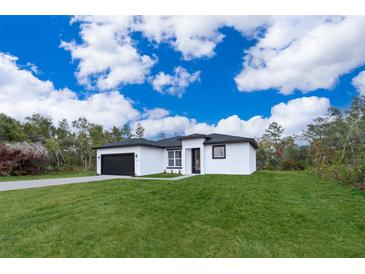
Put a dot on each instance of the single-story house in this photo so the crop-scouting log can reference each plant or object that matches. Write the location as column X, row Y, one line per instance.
column 195, row 153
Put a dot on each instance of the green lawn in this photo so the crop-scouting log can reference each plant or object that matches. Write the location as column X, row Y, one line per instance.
column 268, row 214
column 50, row 175
column 162, row 175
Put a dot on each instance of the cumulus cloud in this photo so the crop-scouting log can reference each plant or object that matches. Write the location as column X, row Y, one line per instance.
column 359, row 83
column 107, row 56
column 112, row 108
column 174, row 84
column 293, row 116
column 170, row 125
column 22, row 94
column 195, row 36
column 155, row 113
column 303, row 53
column 290, row 53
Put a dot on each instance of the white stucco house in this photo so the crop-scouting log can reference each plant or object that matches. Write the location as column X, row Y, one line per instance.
column 195, row 153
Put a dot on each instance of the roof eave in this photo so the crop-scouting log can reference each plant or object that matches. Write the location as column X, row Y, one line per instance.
column 252, row 143
column 132, row 145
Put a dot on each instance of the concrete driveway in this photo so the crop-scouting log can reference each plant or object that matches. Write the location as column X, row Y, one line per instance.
column 14, row 185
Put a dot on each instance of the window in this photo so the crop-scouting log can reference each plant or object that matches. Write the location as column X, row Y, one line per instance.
column 219, row 152
column 174, row 158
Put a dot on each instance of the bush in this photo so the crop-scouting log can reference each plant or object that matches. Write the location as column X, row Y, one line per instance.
column 352, row 175
column 292, row 165
column 22, row 158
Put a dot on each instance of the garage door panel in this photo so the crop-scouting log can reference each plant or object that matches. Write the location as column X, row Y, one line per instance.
column 117, row 164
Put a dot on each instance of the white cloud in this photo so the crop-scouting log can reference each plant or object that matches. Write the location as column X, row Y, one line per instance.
column 107, row 56
column 293, row 116
column 174, row 84
column 155, row 113
column 170, row 125
column 195, row 36
column 113, row 108
column 22, row 94
column 359, row 83
column 303, row 53
column 291, row 53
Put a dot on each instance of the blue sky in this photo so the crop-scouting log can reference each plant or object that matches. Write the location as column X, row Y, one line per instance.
column 200, row 103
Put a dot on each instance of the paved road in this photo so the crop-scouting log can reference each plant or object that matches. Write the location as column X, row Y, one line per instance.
column 14, row 185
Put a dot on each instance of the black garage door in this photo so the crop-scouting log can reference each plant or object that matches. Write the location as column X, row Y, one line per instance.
column 117, row 164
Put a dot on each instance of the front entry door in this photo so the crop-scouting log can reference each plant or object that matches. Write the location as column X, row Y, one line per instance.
column 195, row 153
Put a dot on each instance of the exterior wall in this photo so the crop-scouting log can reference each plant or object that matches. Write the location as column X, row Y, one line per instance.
column 151, row 160
column 252, row 159
column 187, row 145
column 116, row 150
column 239, row 160
column 147, row 160
column 188, row 163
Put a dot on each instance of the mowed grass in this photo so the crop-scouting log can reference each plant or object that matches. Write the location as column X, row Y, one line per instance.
column 268, row 214
column 162, row 175
column 50, row 175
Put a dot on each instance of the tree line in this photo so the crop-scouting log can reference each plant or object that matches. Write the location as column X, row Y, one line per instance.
column 332, row 146
column 37, row 144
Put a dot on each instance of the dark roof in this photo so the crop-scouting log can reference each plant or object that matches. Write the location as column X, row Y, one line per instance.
column 222, row 138
column 131, row 142
column 169, row 142
column 175, row 142
column 193, row 136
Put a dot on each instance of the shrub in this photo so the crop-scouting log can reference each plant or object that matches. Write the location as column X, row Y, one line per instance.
column 22, row 158
column 292, row 165
column 352, row 175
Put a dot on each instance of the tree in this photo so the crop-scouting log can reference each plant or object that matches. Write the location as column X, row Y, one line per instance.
column 53, row 148
column 38, row 128
column 67, row 143
column 274, row 134
column 270, row 147
column 83, row 142
column 126, row 132
column 337, row 144
column 139, row 130
column 116, row 134
column 10, row 129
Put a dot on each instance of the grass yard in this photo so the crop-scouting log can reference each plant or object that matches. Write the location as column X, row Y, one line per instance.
column 162, row 175
column 268, row 214
column 49, row 175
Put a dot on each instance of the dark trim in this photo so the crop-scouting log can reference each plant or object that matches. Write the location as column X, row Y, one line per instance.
column 170, row 143
column 193, row 161
column 176, row 148
column 129, row 145
column 253, row 143
column 214, row 146
column 194, row 136
column 174, row 167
